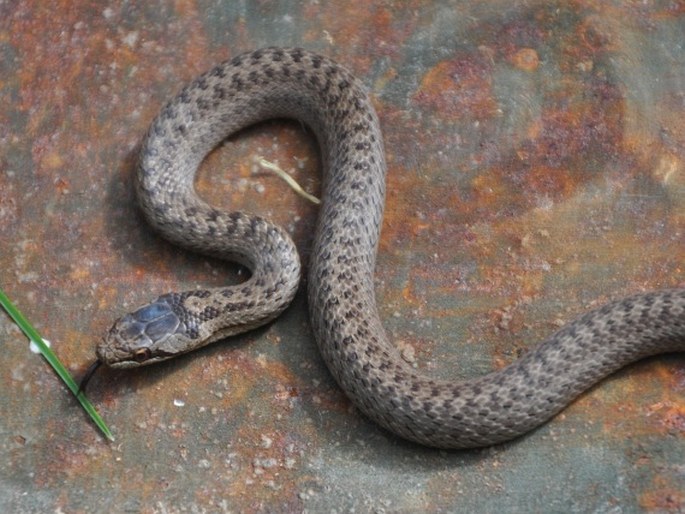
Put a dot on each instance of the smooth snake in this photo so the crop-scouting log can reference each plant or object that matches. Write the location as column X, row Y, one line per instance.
column 295, row 83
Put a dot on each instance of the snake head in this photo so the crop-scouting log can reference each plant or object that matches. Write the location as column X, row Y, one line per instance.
column 150, row 334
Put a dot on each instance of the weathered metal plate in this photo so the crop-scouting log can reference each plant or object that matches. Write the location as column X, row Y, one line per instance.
column 536, row 169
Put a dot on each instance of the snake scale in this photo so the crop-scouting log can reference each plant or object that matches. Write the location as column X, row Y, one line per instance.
column 295, row 83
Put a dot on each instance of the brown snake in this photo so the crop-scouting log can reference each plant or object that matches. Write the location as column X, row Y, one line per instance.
column 294, row 83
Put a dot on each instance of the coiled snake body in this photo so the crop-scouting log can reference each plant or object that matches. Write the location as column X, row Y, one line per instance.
column 295, row 83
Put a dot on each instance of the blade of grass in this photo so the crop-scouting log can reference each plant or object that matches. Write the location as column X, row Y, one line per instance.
column 288, row 179
column 52, row 359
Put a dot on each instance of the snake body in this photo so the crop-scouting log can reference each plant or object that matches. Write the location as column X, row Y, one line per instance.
column 294, row 83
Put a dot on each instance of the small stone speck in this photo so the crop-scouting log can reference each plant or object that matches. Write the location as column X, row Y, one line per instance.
column 130, row 39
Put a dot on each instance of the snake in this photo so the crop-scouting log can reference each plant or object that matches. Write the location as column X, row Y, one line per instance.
column 295, row 83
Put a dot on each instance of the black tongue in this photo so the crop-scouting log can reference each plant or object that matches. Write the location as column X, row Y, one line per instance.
column 87, row 376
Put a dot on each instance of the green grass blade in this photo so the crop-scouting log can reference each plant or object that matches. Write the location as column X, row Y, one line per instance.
column 52, row 359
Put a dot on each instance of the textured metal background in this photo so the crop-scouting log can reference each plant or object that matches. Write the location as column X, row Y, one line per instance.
column 537, row 168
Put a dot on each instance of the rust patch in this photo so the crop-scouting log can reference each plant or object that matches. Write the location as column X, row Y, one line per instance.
column 460, row 86
column 671, row 416
column 663, row 500
column 526, row 59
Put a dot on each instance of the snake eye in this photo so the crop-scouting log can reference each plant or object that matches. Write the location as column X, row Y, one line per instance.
column 142, row 355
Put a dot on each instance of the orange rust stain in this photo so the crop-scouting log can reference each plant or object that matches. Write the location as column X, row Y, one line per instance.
column 533, row 132
column 407, row 293
column 672, row 416
column 79, row 273
column 460, row 87
column 567, row 132
column 555, row 182
column 383, row 23
column 592, row 38
column 376, row 30
column 420, row 227
column 62, row 185
column 526, row 59
column 185, row 8
column 195, row 48
column 488, row 190
column 107, row 297
column 53, row 160
column 665, row 499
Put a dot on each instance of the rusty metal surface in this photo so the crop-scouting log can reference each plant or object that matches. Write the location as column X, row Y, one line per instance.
column 537, row 168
